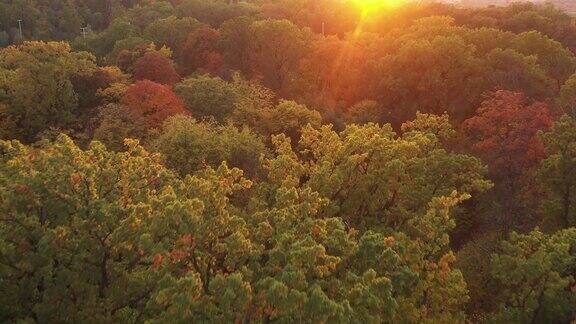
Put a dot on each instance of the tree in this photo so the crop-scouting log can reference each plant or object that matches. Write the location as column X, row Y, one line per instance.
column 558, row 61
column 189, row 146
column 39, row 93
column 288, row 117
column 365, row 112
column 92, row 234
column 276, row 49
column 102, row 44
column 364, row 162
column 558, row 172
column 116, row 88
column 379, row 184
column 68, row 236
column 171, row 31
column 547, row 19
column 126, row 51
column 126, row 58
column 340, row 79
column 487, row 39
column 330, row 17
column 89, row 87
column 537, row 273
column 83, row 235
column 156, row 67
column 424, row 73
column 513, row 71
column 144, row 13
column 214, row 13
column 152, row 102
column 567, row 100
column 504, row 133
column 208, row 96
column 235, row 39
column 115, row 123
column 200, row 52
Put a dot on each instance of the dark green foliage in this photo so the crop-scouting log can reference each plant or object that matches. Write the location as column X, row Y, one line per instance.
column 38, row 92
column 536, row 272
column 207, row 96
column 189, row 146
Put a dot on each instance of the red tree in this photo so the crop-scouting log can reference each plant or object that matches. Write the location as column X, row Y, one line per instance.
column 153, row 102
column 200, row 52
column 156, row 67
column 505, row 133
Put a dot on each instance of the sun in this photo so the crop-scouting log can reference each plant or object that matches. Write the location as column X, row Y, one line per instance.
column 375, row 5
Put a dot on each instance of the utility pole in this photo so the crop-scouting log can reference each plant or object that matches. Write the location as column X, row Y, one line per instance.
column 20, row 29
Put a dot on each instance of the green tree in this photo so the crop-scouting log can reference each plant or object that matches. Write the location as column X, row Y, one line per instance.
column 365, row 112
column 567, row 100
column 288, row 117
column 382, row 186
column 276, row 49
column 374, row 178
column 423, row 75
column 513, row 71
column 144, row 13
column 189, row 146
column 216, row 12
column 558, row 61
column 236, row 37
column 171, row 31
column 119, row 31
column 84, row 232
column 71, row 231
column 39, row 93
column 92, row 234
column 536, row 272
column 558, row 172
column 207, row 96
column 115, row 123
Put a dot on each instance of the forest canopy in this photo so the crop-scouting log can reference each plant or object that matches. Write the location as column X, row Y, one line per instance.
column 294, row 161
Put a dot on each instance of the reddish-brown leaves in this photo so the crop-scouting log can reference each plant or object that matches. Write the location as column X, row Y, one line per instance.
column 178, row 255
column 21, row 188
column 157, row 261
column 187, row 240
column 199, row 52
column 505, row 133
column 156, row 67
column 152, row 102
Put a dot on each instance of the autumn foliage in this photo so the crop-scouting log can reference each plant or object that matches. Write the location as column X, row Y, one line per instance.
column 505, row 133
column 155, row 67
column 341, row 78
column 153, row 102
column 200, row 52
column 287, row 161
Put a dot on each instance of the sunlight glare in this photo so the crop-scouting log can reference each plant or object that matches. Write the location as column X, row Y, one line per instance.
column 374, row 5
